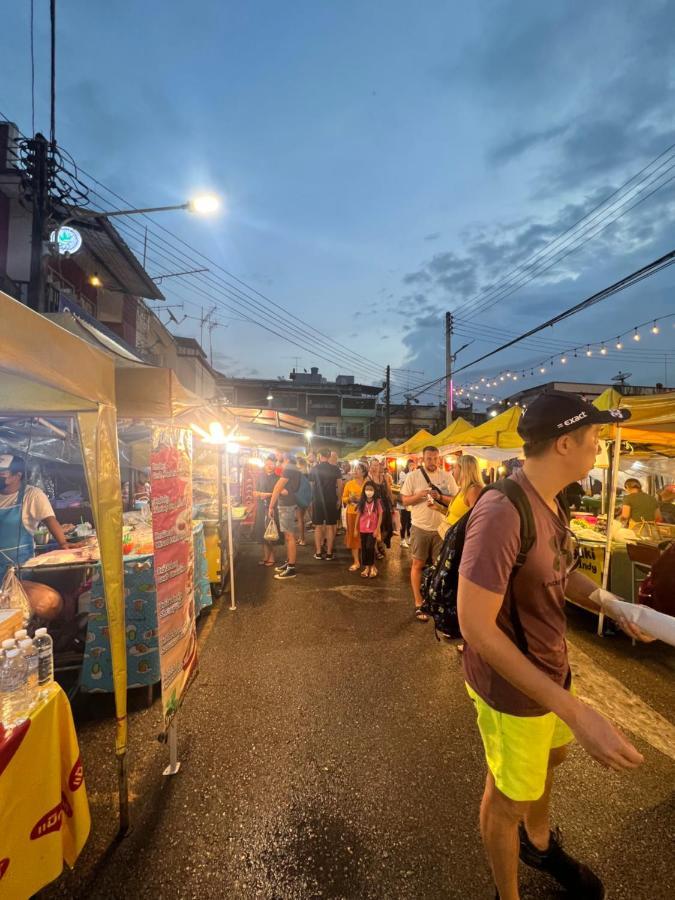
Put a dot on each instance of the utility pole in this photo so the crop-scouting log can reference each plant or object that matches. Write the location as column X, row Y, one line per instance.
column 38, row 173
column 387, row 402
column 448, row 368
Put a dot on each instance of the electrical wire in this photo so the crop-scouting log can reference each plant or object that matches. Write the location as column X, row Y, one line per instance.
column 572, row 232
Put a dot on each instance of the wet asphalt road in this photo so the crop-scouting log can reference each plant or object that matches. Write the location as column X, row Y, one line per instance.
column 328, row 750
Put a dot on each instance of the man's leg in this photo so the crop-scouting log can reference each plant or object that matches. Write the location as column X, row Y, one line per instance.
column 291, row 548
column 300, row 516
column 416, row 570
column 499, row 818
column 318, row 538
column 537, row 817
column 331, row 531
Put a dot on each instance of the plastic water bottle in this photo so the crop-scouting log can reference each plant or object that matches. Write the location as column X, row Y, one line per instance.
column 13, row 688
column 30, row 654
column 45, row 651
column 20, row 635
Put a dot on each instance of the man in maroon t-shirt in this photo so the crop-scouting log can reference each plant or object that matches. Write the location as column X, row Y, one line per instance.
column 515, row 661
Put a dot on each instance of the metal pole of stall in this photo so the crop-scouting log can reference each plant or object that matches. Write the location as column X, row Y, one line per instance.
column 221, row 536
column 616, row 455
column 230, row 543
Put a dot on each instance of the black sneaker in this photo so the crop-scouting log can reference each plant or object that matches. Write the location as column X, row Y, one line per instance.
column 319, row 556
column 281, row 568
column 577, row 878
column 289, row 572
column 329, row 556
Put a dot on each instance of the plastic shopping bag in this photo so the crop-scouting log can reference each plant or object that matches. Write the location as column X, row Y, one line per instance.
column 271, row 532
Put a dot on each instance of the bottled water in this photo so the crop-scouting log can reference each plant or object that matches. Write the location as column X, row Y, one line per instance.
column 45, row 651
column 20, row 635
column 13, row 688
column 30, row 654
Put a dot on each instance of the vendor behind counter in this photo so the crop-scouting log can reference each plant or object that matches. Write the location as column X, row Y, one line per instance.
column 637, row 506
column 23, row 508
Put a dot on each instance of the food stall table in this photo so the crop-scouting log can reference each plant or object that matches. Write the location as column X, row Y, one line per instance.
column 44, row 812
column 141, row 620
column 140, row 612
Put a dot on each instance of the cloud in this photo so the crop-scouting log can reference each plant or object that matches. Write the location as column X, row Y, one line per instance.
column 521, row 143
column 434, row 236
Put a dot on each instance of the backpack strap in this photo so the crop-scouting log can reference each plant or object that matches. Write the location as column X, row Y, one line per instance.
column 528, row 534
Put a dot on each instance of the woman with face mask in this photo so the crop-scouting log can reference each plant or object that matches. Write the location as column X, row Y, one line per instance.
column 368, row 525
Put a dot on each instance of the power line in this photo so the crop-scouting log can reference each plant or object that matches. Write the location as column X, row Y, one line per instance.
column 532, row 264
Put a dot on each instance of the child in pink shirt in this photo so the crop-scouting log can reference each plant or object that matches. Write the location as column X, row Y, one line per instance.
column 367, row 526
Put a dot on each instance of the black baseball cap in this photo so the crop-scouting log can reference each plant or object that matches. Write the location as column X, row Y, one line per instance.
column 556, row 413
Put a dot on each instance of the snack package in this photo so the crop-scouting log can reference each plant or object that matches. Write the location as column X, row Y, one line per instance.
column 13, row 594
column 654, row 623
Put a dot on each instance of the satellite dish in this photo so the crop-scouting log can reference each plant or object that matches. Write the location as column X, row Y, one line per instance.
column 621, row 377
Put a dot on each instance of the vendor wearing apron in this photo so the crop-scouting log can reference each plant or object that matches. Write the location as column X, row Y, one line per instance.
column 22, row 508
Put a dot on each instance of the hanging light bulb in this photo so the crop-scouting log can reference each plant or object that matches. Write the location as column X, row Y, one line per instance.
column 589, row 352
column 619, row 344
column 655, row 328
column 563, row 360
column 501, row 377
column 514, row 377
column 636, row 336
column 603, row 350
column 482, row 381
column 543, row 369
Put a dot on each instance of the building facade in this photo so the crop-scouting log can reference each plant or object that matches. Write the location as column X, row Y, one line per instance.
column 340, row 409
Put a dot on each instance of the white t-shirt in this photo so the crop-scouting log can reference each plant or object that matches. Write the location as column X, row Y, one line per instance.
column 423, row 516
column 36, row 506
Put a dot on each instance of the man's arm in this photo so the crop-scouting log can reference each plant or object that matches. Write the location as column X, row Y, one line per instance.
column 478, row 610
column 278, row 488
column 54, row 528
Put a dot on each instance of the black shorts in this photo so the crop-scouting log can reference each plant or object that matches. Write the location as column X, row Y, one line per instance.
column 322, row 516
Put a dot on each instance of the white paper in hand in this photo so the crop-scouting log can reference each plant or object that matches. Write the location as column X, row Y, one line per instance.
column 654, row 623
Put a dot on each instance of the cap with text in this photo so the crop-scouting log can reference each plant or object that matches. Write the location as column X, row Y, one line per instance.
column 556, row 413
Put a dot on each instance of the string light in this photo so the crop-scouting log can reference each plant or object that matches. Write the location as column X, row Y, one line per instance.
column 619, row 344
column 655, row 328
column 636, row 336
column 589, row 352
column 603, row 350
column 543, row 369
column 563, row 360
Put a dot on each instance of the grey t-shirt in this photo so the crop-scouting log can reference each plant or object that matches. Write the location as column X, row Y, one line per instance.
column 490, row 550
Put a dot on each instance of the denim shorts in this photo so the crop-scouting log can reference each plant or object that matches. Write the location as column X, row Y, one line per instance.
column 288, row 522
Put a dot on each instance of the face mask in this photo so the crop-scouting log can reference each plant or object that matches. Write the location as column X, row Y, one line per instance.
column 3, row 482
column 370, row 494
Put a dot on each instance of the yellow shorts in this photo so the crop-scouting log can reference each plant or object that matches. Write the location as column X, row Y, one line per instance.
column 517, row 748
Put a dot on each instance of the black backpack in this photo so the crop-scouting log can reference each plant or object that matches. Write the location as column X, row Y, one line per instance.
column 440, row 580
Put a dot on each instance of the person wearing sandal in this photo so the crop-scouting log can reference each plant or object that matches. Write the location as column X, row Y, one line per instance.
column 350, row 500
column 264, row 487
column 368, row 526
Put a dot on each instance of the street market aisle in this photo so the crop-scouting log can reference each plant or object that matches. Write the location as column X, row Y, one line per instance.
column 328, row 750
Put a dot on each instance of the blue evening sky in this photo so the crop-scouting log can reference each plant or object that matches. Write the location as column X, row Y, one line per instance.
column 381, row 163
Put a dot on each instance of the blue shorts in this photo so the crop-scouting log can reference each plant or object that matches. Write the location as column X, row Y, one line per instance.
column 288, row 522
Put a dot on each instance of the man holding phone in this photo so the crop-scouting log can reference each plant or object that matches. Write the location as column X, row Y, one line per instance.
column 425, row 492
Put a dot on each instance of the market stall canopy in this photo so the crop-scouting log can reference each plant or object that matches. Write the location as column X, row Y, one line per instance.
column 381, row 447
column 150, row 392
column 498, row 432
column 652, row 419
column 46, row 369
column 415, row 444
column 449, row 435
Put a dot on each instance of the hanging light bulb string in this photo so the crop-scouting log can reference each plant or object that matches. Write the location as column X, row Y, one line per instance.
column 476, row 390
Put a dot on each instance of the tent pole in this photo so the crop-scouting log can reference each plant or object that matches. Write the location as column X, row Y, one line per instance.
column 123, row 793
column 230, row 550
column 616, row 456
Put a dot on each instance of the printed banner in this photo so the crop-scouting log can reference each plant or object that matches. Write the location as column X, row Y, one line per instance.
column 171, row 505
column 592, row 561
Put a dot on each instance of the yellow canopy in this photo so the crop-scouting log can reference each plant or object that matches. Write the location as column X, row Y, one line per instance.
column 652, row 417
column 45, row 369
column 148, row 392
column 498, row 432
column 415, row 444
column 448, row 435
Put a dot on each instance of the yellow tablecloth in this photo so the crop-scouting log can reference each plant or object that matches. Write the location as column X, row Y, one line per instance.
column 44, row 813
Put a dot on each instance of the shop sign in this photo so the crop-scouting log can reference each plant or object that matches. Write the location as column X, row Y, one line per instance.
column 171, row 505
column 592, row 561
column 67, row 239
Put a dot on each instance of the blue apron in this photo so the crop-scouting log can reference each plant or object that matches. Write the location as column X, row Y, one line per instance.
column 16, row 542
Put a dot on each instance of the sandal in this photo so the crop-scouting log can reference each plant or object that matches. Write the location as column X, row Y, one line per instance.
column 302, row 543
column 421, row 616
column 264, row 562
column 373, row 573
column 364, row 574
column 355, row 567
